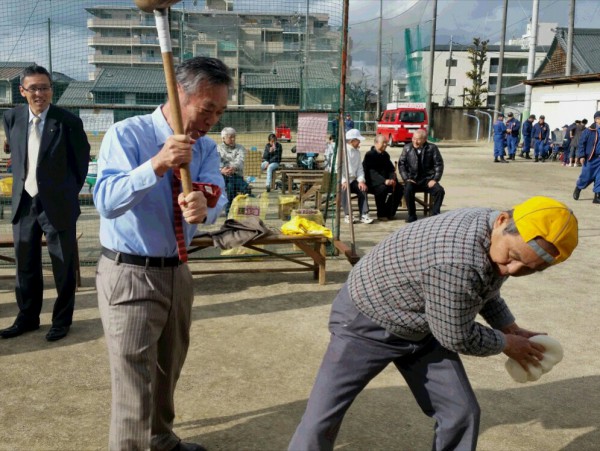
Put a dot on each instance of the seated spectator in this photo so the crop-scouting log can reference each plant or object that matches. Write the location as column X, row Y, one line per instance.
column 381, row 179
column 354, row 178
column 421, row 167
column 232, row 165
column 271, row 158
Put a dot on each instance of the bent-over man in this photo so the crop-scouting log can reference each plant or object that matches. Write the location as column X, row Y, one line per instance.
column 413, row 301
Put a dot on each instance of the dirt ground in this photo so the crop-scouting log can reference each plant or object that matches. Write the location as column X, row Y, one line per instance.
column 257, row 341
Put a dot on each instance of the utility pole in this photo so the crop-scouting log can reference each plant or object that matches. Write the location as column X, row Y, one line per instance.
column 447, row 97
column 501, row 59
column 431, row 62
column 49, row 47
column 379, row 59
column 531, row 61
column 570, row 39
column 391, row 87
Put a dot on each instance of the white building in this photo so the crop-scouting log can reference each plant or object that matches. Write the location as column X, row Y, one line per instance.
column 562, row 98
column 545, row 35
column 514, row 71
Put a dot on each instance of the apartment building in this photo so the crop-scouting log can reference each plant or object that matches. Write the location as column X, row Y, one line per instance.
column 247, row 42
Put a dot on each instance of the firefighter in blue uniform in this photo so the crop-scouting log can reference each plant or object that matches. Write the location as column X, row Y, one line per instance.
column 499, row 139
column 541, row 139
column 527, row 129
column 588, row 153
column 512, row 135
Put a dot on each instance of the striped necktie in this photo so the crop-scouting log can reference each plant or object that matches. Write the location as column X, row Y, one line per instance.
column 178, row 216
column 33, row 150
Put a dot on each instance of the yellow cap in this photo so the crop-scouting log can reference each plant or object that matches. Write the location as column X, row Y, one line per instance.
column 548, row 219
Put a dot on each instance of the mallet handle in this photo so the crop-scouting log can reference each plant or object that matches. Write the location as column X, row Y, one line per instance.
column 162, row 27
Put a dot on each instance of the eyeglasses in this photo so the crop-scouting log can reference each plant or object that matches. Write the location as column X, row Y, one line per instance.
column 40, row 89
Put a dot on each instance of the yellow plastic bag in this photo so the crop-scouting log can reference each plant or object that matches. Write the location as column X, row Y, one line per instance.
column 287, row 203
column 299, row 226
column 6, row 186
column 243, row 207
column 310, row 214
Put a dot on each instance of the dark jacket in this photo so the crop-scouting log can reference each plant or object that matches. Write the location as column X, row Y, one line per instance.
column 378, row 168
column 527, row 128
column 432, row 163
column 272, row 157
column 588, row 143
column 513, row 125
column 541, row 132
column 62, row 163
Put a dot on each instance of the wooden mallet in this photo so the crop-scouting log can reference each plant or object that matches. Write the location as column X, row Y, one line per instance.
column 159, row 8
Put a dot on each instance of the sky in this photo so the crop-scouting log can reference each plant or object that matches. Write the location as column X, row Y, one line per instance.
column 460, row 19
column 24, row 25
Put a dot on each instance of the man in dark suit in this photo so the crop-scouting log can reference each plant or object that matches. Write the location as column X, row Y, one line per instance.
column 50, row 154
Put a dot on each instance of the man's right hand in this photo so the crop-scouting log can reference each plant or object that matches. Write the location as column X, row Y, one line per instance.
column 176, row 151
column 522, row 350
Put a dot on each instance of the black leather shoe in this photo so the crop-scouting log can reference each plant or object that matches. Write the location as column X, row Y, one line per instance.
column 17, row 329
column 527, row 157
column 596, row 199
column 576, row 193
column 56, row 333
column 186, row 446
column 411, row 219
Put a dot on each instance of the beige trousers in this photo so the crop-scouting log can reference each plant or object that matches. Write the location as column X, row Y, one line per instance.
column 146, row 315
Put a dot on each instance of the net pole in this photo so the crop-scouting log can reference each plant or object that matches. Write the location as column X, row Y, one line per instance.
column 341, row 135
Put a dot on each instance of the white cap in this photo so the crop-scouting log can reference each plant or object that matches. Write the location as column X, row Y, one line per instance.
column 354, row 134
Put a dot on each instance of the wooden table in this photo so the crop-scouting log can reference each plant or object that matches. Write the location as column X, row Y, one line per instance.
column 313, row 247
column 7, row 242
column 289, row 175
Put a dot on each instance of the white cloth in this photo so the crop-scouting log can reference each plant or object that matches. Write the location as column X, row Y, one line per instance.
column 354, row 165
column 33, row 151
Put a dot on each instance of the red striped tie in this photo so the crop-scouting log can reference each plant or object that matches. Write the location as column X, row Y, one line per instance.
column 178, row 216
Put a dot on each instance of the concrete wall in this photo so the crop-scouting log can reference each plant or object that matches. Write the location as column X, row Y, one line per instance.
column 451, row 123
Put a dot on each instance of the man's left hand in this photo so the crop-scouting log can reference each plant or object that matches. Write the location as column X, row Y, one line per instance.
column 362, row 186
column 193, row 207
column 431, row 183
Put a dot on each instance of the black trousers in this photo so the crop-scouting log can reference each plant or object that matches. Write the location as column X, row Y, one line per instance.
column 387, row 199
column 437, row 193
column 27, row 233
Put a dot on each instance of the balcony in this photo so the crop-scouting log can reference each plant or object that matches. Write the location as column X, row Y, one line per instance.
column 129, row 60
column 144, row 22
column 124, row 41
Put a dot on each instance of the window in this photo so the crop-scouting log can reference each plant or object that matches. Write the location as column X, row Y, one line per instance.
column 451, row 62
column 450, row 82
column 412, row 116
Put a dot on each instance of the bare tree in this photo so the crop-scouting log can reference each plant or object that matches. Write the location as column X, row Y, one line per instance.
column 478, row 57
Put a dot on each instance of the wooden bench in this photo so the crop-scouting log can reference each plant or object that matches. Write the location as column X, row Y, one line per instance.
column 7, row 242
column 313, row 247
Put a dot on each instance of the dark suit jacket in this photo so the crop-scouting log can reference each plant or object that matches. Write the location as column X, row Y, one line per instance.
column 62, row 163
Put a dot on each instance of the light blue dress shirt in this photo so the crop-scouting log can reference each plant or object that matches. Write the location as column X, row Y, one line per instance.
column 135, row 205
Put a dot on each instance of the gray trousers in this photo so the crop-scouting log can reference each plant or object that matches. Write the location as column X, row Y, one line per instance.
column 358, row 351
column 146, row 315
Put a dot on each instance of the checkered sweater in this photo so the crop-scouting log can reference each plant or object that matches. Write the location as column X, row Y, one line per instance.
column 434, row 276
